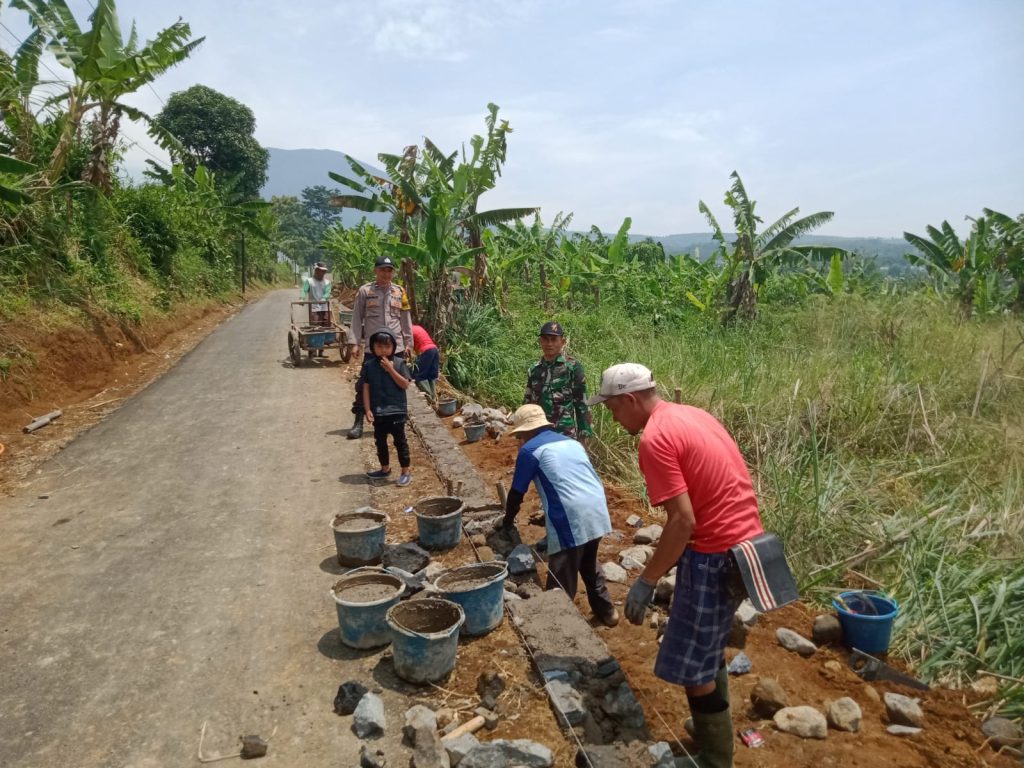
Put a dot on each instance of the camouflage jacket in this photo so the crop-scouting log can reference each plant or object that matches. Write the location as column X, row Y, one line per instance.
column 560, row 388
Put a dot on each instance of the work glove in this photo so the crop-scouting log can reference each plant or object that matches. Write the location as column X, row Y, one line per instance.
column 639, row 597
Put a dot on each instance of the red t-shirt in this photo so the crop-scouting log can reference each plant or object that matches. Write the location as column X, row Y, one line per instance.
column 421, row 340
column 686, row 449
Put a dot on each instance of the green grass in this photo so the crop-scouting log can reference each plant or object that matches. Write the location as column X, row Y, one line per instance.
column 859, row 418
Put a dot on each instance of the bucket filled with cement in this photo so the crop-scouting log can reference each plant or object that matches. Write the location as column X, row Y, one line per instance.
column 479, row 589
column 363, row 598
column 425, row 638
column 359, row 536
column 439, row 521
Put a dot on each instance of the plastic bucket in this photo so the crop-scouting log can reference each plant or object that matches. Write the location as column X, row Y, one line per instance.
column 870, row 629
column 439, row 521
column 474, row 432
column 425, row 638
column 446, row 407
column 479, row 589
column 363, row 598
column 359, row 536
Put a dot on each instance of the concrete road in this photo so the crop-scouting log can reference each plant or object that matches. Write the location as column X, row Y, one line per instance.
column 178, row 569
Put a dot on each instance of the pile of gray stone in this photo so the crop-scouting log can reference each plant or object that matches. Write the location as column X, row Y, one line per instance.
column 437, row 739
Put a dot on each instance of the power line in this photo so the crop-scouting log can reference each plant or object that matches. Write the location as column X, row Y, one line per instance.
column 18, row 43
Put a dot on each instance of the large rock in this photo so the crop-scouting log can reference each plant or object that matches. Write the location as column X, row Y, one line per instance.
column 747, row 613
column 348, row 697
column 649, row 534
column 615, row 573
column 459, row 747
column 665, row 588
column 844, row 714
column 565, row 697
column 429, row 752
column 371, row 758
column 368, row 720
column 502, row 753
column 768, row 697
column 805, row 722
column 661, row 754
column 634, row 521
column 1001, row 732
column 416, row 717
column 489, row 686
column 409, row 556
column 740, row 664
column 641, row 553
column 795, row 642
column 521, row 561
column 902, row 730
column 621, row 705
column 413, row 583
column 903, row 710
column 826, row 629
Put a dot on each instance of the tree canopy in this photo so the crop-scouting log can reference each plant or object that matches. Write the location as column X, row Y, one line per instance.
column 217, row 131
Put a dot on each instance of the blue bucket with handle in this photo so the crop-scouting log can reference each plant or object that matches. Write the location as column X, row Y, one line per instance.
column 363, row 598
column 425, row 638
column 866, row 618
column 439, row 521
column 480, row 590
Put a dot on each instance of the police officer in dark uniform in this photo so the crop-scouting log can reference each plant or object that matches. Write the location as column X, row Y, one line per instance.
column 380, row 304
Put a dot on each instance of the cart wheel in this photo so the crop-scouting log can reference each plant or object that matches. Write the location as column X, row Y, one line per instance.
column 346, row 353
column 293, row 349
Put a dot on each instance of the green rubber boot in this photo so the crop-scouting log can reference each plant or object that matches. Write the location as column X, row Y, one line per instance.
column 357, row 428
column 722, row 686
column 713, row 734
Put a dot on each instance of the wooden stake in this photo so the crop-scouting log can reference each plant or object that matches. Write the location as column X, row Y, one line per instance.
column 458, row 489
column 42, row 421
column 679, row 395
column 470, row 726
column 502, row 494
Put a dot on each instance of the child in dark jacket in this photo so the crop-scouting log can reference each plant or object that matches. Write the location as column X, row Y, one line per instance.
column 386, row 377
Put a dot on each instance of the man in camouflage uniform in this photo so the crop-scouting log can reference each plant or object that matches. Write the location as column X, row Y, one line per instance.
column 556, row 383
column 380, row 304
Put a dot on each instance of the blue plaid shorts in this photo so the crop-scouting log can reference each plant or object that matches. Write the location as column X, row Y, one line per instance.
column 693, row 648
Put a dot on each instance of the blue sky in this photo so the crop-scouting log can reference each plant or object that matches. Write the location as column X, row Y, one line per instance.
column 892, row 114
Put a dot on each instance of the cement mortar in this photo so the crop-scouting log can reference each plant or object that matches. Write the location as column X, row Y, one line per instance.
column 424, row 616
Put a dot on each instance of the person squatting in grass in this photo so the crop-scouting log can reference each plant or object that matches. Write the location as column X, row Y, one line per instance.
column 385, row 378
column 574, row 505
column 693, row 468
column 428, row 362
column 556, row 383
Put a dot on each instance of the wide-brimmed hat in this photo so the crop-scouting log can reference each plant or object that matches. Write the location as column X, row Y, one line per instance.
column 622, row 378
column 529, row 418
column 319, row 265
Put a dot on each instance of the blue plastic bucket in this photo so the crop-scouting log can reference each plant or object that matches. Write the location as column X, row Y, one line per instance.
column 359, row 536
column 867, row 625
column 425, row 638
column 439, row 521
column 447, row 407
column 363, row 598
column 479, row 589
column 318, row 340
column 474, row 432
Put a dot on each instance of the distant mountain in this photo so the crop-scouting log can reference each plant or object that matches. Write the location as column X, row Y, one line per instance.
column 289, row 171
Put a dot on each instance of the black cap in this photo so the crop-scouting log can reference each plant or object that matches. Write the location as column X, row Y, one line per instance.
column 384, row 261
column 552, row 329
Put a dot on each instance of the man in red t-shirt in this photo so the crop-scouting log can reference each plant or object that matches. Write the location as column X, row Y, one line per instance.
column 694, row 469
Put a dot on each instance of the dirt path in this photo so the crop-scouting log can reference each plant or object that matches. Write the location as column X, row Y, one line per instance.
column 163, row 569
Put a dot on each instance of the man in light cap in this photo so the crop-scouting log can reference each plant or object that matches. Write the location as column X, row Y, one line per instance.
column 694, row 469
column 379, row 304
column 574, row 504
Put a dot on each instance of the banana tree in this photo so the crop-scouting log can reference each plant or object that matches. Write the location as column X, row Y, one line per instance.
column 967, row 265
column 394, row 193
column 106, row 67
column 1010, row 256
column 752, row 257
column 12, row 173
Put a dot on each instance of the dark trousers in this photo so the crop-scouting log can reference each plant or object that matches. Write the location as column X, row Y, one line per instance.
column 394, row 426
column 564, row 567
